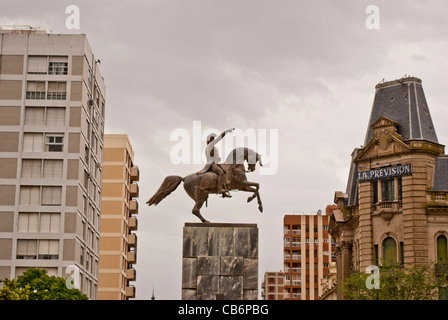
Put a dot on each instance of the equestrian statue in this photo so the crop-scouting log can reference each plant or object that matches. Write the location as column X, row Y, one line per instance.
column 215, row 177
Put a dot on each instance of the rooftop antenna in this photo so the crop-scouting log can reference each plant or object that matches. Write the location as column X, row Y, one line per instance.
column 153, row 297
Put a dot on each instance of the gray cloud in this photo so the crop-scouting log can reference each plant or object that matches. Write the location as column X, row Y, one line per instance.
column 306, row 68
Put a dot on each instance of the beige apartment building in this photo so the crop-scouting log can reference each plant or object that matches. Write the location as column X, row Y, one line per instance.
column 272, row 286
column 307, row 253
column 118, row 242
column 52, row 104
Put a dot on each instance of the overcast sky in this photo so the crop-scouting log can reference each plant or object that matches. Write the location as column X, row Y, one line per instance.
column 305, row 68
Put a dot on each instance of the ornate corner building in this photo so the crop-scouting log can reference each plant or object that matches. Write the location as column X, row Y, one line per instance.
column 395, row 207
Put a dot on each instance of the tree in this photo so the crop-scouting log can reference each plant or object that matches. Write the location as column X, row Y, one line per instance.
column 41, row 286
column 11, row 291
column 413, row 282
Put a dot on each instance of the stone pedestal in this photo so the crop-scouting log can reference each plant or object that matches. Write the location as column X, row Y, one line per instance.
column 220, row 261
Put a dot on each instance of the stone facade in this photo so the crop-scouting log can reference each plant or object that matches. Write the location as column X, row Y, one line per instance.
column 220, row 261
column 395, row 207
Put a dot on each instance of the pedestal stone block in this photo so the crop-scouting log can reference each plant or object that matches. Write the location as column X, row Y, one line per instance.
column 220, row 261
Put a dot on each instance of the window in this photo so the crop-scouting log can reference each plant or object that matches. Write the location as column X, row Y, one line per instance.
column 29, row 195
column 33, row 222
column 51, row 116
column 34, row 115
column 26, row 249
column 28, row 222
column 54, row 143
column 37, row 65
column 49, row 222
column 389, row 251
column 375, row 249
column 31, row 168
column 32, row 142
column 48, row 249
column 56, row 90
column 442, row 249
column 375, row 191
column 35, row 90
column 52, row 169
column 51, row 196
column 55, row 117
column 400, row 191
column 387, row 189
column 58, row 65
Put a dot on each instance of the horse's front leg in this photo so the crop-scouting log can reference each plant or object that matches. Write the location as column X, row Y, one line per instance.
column 249, row 187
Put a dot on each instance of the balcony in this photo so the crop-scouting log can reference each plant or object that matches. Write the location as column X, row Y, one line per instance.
column 130, row 292
column 387, row 206
column 387, row 209
column 135, row 173
column 132, row 239
column 131, row 274
column 436, row 201
column 133, row 223
column 134, row 190
column 441, row 268
column 133, row 206
column 132, row 257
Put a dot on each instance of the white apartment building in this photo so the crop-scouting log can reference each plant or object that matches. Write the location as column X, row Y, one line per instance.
column 52, row 101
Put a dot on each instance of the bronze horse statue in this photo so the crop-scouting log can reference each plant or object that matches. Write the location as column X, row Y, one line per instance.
column 199, row 186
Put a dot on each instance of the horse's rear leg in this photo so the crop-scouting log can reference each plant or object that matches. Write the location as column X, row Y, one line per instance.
column 197, row 207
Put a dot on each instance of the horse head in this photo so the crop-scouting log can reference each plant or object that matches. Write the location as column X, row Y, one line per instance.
column 239, row 155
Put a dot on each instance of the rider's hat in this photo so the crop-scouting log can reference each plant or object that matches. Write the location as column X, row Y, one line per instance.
column 210, row 136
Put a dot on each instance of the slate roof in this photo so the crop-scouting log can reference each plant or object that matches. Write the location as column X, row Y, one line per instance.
column 352, row 183
column 441, row 174
column 403, row 101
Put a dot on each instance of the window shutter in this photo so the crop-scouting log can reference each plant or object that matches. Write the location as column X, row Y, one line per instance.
column 37, row 65
column 33, row 219
column 51, row 195
column 55, row 117
column 32, row 142
column 52, row 169
column 53, row 247
column 44, row 247
column 442, row 250
column 29, row 195
column 389, row 251
column 28, row 139
column 34, row 115
column 31, row 168
column 23, row 222
column 22, row 246
column 45, row 222
column 55, row 222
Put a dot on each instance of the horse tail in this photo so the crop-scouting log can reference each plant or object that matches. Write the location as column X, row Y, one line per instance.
column 168, row 185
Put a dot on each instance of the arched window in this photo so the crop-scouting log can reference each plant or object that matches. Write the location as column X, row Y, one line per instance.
column 442, row 249
column 389, row 251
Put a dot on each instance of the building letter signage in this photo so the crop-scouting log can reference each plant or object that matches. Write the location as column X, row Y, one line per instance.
column 383, row 173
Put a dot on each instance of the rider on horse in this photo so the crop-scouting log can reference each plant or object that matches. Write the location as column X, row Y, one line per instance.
column 213, row 160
